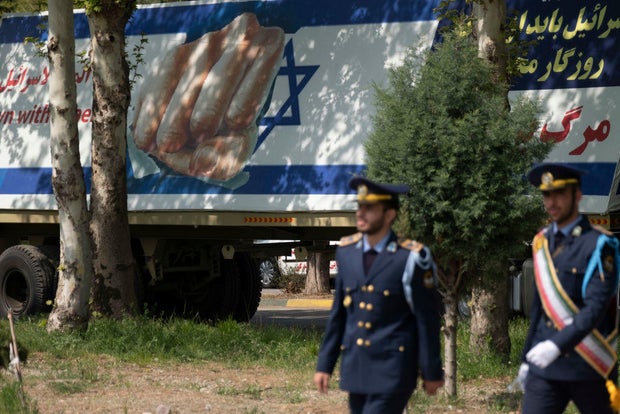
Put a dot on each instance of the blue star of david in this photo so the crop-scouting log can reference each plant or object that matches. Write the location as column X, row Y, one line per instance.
column 292, row 72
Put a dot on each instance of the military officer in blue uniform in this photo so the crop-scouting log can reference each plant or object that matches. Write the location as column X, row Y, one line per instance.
column 570, row 350
column 385, row 320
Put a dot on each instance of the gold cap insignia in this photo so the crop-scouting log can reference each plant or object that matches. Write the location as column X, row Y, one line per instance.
column 362, row 191
column 577, row 231
column 547, row 179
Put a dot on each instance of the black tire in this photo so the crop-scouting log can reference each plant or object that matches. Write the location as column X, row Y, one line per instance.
column 250, row 288
column 222, row 296
column 26, row 281
column 52, row 252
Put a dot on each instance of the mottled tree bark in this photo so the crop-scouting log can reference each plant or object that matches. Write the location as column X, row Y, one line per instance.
column 489, row 324
column 490, row 315
column 114, row 291
column 317, row 279
column 450, row 281
column 70, row 309
column 490, row 32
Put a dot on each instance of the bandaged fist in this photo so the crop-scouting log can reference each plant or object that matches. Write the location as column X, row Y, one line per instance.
column 198, row 113
column 543, row 354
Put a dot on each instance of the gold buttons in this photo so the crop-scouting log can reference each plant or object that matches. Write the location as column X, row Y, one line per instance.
column 368, row 325
column 347, row 301
column 369, row 307
column 364, row 288
column 401, row 348
column 574, row 270
column 386, row 292
column 367, row 342
column 359, row 342
column 371, row 288
column 342, row 347
column 360, row 324
column 362, row 305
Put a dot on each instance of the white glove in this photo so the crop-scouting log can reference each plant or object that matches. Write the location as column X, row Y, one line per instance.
column 543, row 354
column 522, row 375
column 518, row 384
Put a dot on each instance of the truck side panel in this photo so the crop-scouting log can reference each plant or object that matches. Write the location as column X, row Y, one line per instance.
column 310, row 136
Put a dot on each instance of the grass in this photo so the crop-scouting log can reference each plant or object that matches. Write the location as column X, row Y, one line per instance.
column 145, row 340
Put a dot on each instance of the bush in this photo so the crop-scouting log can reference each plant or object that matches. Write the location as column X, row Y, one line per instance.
column 291, row 282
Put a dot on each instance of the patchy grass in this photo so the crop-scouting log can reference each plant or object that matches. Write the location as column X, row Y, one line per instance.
column 118, row 366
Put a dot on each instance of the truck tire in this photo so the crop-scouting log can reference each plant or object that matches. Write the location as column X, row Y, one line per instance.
column 250, row 288
column 26, row 281
column 222, row 297
column 52, row 253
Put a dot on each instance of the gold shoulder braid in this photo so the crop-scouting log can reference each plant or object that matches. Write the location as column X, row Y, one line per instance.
column 602, row 230
column 351, row 239
column 411, row 245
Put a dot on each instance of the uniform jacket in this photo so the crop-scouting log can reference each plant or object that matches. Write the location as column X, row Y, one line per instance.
column 381, row 342
column 596, row 310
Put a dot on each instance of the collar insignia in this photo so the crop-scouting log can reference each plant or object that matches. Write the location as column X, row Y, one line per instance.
column 392, row 246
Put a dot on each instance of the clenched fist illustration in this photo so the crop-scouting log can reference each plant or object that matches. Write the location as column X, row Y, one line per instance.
column 198, row 114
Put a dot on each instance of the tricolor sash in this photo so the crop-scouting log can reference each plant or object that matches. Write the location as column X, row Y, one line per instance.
column 599, row 352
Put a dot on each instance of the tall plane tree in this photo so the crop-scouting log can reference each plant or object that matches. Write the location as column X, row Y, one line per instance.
column 490, row 26
column 96, row 256
column 114, row 292
column 75, row 274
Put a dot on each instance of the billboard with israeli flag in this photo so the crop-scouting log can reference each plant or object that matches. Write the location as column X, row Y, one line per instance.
column 265, row 105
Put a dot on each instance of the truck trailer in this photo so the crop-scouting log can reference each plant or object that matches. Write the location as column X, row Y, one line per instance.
column 246, row 124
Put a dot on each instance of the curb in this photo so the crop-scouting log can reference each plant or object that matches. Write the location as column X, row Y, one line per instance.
column 309, row 303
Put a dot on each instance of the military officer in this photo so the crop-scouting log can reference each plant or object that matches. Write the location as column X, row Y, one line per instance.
column 570, row 352
column 385, row 320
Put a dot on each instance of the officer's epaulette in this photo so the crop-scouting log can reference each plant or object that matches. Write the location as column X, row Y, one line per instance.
column 602, row 230
column 353, row 238
column 411, row 245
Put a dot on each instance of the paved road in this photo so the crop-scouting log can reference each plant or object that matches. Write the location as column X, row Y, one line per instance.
column 293, row 317
column 275, row 310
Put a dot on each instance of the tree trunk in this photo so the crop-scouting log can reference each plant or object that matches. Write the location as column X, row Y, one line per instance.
column 489, row 317
column 114, row 292
column 317, row 279
column 449, row 334
column 489, row 323
column 450, row 282
column 75, row 272
column 490, row 32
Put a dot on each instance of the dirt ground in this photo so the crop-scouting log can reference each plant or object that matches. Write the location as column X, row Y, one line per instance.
column 213, row 388
column 108, row 386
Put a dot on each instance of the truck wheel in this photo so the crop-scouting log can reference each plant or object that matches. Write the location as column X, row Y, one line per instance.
column 26, row 280
column 222, row 296
column 52, row 252
column 249, row 290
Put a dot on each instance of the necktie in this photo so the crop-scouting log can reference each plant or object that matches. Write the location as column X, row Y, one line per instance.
column 558, row 239
column 369, row 258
